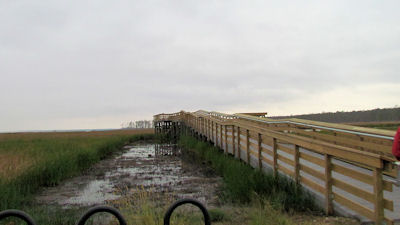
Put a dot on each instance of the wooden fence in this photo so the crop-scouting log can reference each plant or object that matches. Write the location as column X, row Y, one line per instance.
column 347, row 166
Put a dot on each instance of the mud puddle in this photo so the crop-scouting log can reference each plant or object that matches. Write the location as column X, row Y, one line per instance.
column 160, row 168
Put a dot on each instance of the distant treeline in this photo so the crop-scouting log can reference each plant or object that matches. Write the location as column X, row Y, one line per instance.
column 374, row 115
column 138, row 124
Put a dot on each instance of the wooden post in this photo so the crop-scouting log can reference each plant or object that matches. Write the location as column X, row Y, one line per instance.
column 233, row 141
column 297, row 164
column 226, row 139
column 238, row 143
column 212, row 131
column 206, row 129
column 274, row 156
column 378, row 196
column 259, row 152
column 248, row 146
column 328, row 185
column 203, row 127
column 220, row 137
column 215, row 134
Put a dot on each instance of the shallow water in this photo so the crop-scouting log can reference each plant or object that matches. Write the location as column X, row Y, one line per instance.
column 159, row 167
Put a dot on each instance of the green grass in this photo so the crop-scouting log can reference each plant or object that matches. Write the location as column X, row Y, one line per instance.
column 146, row 207
column 242, row 182
column 32, row 161
column 388, row 126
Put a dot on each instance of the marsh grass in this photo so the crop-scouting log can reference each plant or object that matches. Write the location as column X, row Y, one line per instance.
column 241, row 181
column 147, row 207
column 33, row 160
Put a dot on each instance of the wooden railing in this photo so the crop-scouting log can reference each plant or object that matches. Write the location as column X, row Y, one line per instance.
column 347, row 166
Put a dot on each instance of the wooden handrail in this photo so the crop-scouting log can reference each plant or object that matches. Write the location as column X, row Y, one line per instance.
column 227, row 131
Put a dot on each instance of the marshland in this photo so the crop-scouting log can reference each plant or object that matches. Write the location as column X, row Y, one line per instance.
column 56, row 176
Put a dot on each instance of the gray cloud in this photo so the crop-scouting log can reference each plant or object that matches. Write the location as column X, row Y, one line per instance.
column 77, row 64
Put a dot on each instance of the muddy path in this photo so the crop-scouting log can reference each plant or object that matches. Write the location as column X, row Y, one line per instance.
column 161, row 168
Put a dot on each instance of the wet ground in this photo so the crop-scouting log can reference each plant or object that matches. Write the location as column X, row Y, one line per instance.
column 159, row 167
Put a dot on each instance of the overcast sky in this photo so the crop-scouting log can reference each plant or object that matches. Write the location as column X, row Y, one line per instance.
column 96, row 63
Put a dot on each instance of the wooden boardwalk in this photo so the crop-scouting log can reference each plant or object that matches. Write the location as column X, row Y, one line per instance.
column 349, row 168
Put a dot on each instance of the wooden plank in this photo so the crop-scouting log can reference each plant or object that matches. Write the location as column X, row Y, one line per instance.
column 269, row 152
column 353, row 190
column 345, row 141
column 285, row 149
column 312, row 172
column 312, row 184
column 243, row 146
column 267, row 141
column 268, row 161
column 357, row 207
column 312, row 159
column 285, row 170
column 253, row 134
column 253, row 145
column 387, row 185
column 347, row 127
column 255, row 154
column 285, row 159
column 388, row 204
column 358, row 156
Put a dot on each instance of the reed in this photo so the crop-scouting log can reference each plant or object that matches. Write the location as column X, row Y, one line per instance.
column 241, row 181
column 33, row 160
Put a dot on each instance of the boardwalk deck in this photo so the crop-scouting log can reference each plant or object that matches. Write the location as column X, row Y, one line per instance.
column 350, row 168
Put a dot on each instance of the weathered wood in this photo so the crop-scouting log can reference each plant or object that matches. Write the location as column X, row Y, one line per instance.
column 260, row 166
column 268, row 161
column 378, row 196
column 368, row 179
column 275, row 156
column 247, row 146
column 354, row 206
column 220, row 139
column 285, row 149
column 233, row 142
column 317, row 187
column 296, row 164
column 312, row 172
column 288, row 142
column 226, row 140
column 285, row 159
column 328, row 185
column 238, row 143
column 285, row 170
column 312, row 159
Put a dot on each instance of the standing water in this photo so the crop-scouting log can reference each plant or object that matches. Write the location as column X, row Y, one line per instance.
column 159, row 167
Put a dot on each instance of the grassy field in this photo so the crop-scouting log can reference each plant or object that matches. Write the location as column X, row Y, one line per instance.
column 390, row 125
column 29, row 161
